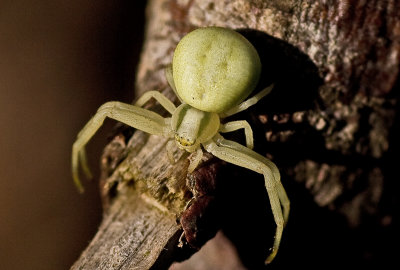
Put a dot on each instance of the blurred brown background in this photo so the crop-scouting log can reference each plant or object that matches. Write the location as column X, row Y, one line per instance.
column 59, row 60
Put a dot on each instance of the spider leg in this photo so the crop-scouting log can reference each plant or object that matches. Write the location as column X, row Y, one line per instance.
column 84, row 163
column 285, row 202
column 255, row 162
column 247, row 103
column 196, row 160
column 235, row 125
column 142, row 119
column 170, row 151
column 170, row 79
column 163, row 100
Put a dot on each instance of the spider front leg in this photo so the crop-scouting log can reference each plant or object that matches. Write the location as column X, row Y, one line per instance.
column 231, row 152
column 128, row 114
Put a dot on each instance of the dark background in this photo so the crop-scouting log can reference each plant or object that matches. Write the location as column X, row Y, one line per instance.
column 59, row 61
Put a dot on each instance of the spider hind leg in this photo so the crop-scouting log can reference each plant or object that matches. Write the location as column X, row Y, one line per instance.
column 239, row 155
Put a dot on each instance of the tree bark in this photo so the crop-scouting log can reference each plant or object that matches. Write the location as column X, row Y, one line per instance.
column 328, row 125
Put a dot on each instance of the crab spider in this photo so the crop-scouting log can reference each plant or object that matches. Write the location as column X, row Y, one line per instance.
column 213, row 71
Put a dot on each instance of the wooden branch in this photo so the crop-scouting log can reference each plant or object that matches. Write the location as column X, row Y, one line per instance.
column 133, row 235
column 326, row 124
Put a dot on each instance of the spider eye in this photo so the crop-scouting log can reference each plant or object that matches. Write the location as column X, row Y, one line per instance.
column 215, row 68
column 184, row 141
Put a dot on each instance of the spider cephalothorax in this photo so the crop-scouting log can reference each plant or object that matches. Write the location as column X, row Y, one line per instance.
column 213, row 71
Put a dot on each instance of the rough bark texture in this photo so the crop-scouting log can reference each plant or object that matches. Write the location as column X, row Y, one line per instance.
column 328, row 125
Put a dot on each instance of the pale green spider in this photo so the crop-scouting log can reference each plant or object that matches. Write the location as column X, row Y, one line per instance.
column 213, row 70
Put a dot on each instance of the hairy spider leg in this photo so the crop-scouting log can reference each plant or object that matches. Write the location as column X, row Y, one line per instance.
column 247, row 103
column 254, row 162
column 142, row 119
column 235, row 125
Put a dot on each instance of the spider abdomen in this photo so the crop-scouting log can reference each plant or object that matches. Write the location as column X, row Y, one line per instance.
column 215, row 68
